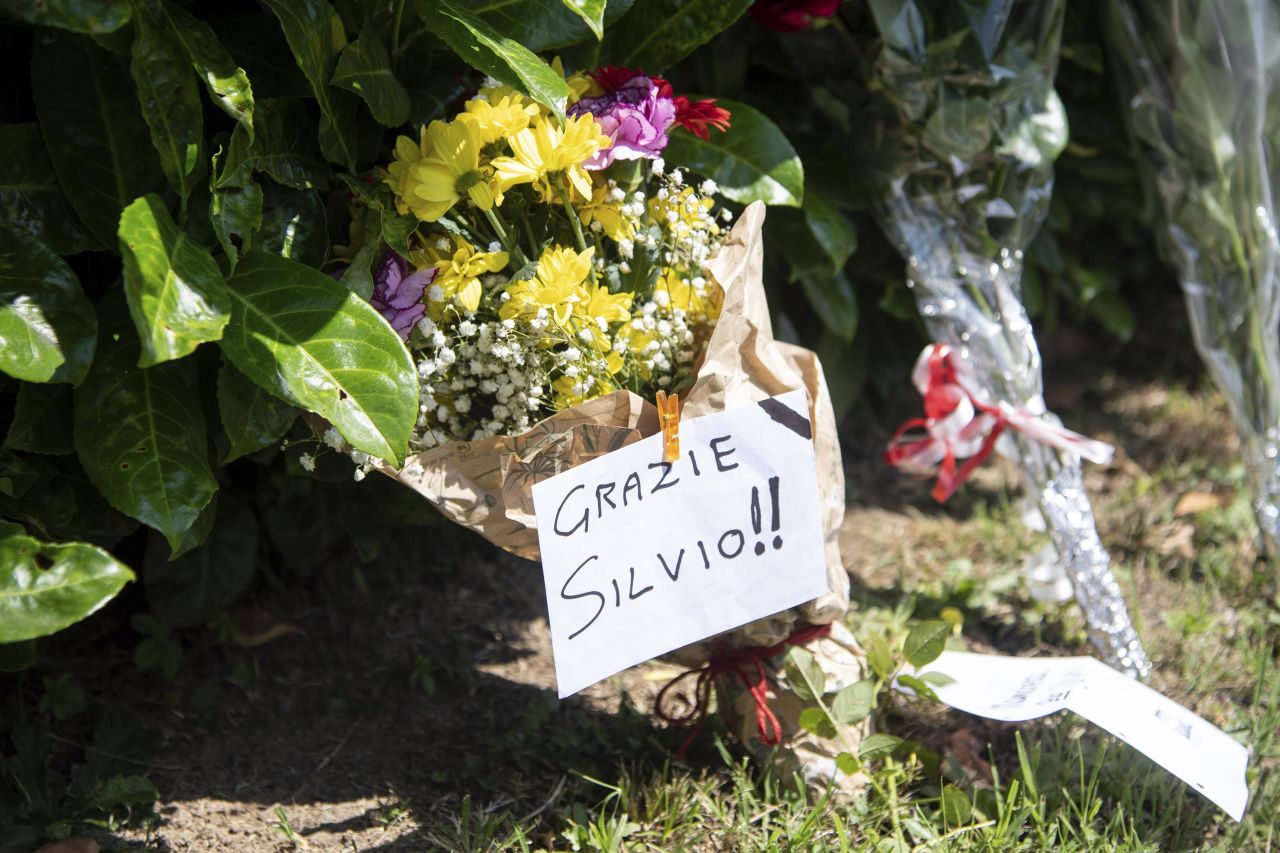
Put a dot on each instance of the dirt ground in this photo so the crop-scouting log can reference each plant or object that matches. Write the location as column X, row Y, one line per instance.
column 383, row 710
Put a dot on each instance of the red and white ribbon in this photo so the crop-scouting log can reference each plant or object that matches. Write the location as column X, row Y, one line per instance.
column 958, row 425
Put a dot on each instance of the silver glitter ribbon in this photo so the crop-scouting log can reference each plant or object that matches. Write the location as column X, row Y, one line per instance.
column 972, row 304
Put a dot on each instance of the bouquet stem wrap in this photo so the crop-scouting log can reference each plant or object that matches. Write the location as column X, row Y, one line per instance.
column 970, row 128
column 486, row 485
column 1200, row 79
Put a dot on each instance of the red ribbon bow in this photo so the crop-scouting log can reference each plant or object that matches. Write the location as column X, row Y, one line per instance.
column 746, row 665
column 959, row 425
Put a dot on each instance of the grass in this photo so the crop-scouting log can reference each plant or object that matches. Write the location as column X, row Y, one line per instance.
column 1210, row 618
column 537, row 774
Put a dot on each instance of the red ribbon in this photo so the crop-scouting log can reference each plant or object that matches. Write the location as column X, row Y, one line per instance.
column 959, row 424
column 746, row 665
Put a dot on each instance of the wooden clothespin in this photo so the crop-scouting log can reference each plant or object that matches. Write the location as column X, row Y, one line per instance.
column 669, row 420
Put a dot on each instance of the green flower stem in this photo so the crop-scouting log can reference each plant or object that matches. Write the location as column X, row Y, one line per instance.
column 563, row 186
column 511, row 245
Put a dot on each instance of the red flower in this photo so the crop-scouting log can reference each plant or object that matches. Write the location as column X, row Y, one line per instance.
column 788, row 16
column 697, row 116
column 694, row 116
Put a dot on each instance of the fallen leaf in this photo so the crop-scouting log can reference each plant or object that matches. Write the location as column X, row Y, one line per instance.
column 965, row 749
column 1173, row 538
column 1194, row 502
column 252, row 627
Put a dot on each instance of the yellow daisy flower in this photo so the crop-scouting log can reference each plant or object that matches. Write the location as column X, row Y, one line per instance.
column 554, row 287
column 597, row 309
column 459, row 276
column 546, row 149
column 600, row 209
column 432, row 177
column 498, row 119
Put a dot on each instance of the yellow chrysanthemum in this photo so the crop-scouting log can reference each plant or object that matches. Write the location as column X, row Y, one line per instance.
column 601, row 209
column 596, row 310
column 431, row 177
column 500, row 118
column 407, row 155
column 675, row 289
column 459, row 276
column 547, row 149
column 555, row 286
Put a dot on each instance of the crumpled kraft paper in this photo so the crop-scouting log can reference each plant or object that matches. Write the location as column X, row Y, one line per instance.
column 486, row 485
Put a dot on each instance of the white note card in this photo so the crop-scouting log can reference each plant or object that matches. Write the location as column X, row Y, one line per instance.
column 641, row 557
column 1014, row 689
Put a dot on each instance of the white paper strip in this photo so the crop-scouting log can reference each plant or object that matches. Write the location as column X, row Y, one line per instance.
column 1014, row 689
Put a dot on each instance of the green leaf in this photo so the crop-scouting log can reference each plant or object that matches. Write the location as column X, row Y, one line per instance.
column 175, row 291
column 925, row 642
column 316, row 36
column 657, row 34
column 30, row 197
column 830, row 228
column 170, row 104
column 358, row 276
column 923, row 690
column 940, row 679
column 252, row 418
column 140, row 432
column 293, row 225
column 46, row 322
column 877, row 746
column 41, row 420
column 833, row 300
column 313, row 343
column 751, row 161
column 227, row 83
column 853, row 704
column 80, row 16
column 365, row 68
column 187, row 591
column 45, row 587
column 816, row 721
column 804, row 675
column 591, row 12
column 397, row 229
column 848, row 763
column 500, row 56
column 542, row 25
column 879, row 656
column 282, row 145
column 196, row 534
column 236, row 214
column 956, row 808
column 93, row 129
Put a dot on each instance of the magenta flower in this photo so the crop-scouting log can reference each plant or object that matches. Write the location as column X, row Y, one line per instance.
column 635, row 116
column 398, row 295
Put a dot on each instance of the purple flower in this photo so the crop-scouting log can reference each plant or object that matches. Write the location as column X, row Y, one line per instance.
column 635, row 116
column 398, row 296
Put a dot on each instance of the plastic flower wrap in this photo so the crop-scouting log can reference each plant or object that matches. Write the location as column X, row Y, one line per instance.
column 1200, row 79
column 969, row 127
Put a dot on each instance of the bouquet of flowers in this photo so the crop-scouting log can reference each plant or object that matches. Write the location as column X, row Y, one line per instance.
column 1201, row 82
column 970, row 126
column 544, row 267
column 553, row 277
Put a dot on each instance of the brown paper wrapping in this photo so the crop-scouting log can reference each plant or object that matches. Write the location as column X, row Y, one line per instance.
column 486, row 485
